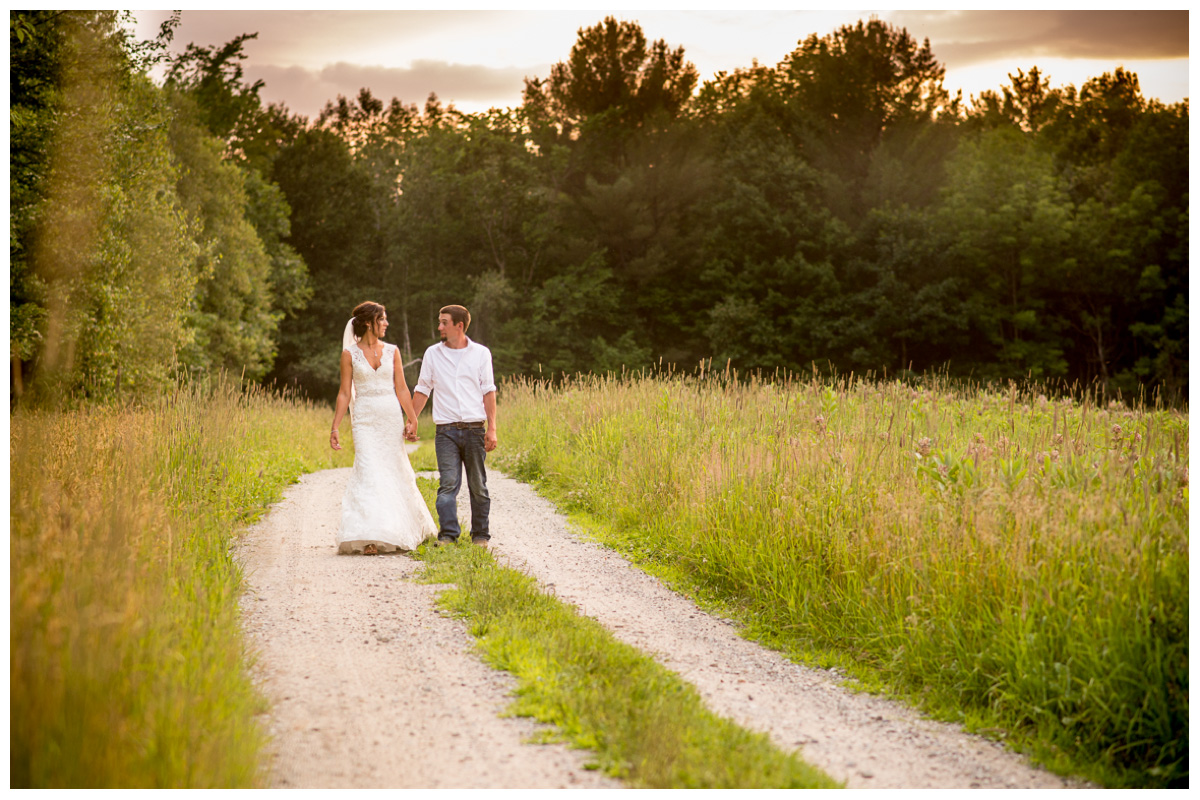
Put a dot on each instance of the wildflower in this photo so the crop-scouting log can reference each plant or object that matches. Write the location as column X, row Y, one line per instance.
column 943, row 470
column 1116, row 431
column 820, row 420
column 925, row 446
column 978, row 448
column 1137, row 437
column 1054, row 455
column 1058, row 438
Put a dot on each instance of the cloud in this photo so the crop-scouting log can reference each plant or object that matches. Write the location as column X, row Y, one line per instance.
column 308, row 58
column 470, row 87
column 960, row 38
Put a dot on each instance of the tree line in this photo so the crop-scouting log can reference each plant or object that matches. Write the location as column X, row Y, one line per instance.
column 839, row 208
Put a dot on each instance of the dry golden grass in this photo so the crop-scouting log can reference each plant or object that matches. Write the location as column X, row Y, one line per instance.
column 128, row 668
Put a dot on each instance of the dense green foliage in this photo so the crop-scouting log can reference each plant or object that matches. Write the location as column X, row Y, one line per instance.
column 1012, row 562
column 837, row 209
column 643, row 722
column 139, row 247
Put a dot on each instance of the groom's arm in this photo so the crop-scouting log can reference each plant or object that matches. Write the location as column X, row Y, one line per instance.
column 421, row 392
column 489, row 436
column 418, row 400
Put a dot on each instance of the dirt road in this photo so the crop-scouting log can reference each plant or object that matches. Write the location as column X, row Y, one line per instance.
column 371, row 687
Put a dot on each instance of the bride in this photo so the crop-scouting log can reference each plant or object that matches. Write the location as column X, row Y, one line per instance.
column 382, row 509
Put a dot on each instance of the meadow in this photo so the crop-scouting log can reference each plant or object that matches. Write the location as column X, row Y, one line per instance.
column 127, row 660
column 1009, row 557
column 1005, row 557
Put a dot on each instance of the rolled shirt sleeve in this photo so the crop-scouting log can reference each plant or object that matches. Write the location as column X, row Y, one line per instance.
column 425, row 379
column 487, row 382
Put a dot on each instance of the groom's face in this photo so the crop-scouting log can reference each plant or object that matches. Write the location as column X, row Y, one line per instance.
column 446, row 326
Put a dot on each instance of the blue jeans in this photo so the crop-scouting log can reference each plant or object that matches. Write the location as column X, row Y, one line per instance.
column 457, row 448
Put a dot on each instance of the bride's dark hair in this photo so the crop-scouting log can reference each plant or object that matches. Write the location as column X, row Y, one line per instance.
column 365, row 316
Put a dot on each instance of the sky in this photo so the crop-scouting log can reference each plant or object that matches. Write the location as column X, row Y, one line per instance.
column 477, row 59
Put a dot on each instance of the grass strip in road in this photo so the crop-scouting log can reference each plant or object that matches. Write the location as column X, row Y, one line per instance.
column 642, row 721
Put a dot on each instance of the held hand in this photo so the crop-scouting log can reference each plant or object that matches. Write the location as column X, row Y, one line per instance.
column 489, row 440
column 410, row 431
column 333, row 440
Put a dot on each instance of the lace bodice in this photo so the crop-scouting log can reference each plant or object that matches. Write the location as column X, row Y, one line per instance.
column 369, row 381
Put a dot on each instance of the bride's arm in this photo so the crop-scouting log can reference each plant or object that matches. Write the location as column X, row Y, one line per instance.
column 343, row 399
column 402, row 393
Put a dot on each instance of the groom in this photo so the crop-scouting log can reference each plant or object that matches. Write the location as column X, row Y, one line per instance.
column 458, row 373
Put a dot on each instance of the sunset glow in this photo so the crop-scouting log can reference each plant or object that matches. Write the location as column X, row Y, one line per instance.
column 479, row 59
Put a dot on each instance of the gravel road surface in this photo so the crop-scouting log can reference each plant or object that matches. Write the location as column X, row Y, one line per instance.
column 370, row 687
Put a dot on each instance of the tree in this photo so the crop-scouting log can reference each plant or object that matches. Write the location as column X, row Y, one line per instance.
column 1089, row 128
column 102, row 281
column 611, row 72
column 846, row 92
column 1009, row 221
column 331, row 229
column 228, row 107
column 1030, row 100
column 1027, row 103
column 610, row 89
column 232, row 317
column 212, row 99
column 37, row 49
column 1148, row 198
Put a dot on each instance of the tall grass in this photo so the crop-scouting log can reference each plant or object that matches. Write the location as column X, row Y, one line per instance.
column 1011, row 561
column 128, row 667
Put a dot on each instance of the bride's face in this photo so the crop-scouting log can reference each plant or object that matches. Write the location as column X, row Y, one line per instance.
column 381, row 325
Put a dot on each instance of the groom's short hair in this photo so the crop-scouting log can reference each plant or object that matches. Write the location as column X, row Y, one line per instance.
column 458, row 315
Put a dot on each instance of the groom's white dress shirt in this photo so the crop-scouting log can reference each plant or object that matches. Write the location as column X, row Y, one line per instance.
column 457, row 380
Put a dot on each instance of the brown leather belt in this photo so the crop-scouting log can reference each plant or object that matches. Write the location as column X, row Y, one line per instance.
column 461, row 425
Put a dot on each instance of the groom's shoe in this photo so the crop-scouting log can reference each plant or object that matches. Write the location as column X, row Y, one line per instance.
column 481, row 542
column 443, row 541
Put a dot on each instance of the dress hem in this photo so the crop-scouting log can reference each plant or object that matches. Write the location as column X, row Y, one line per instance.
column 355, row 546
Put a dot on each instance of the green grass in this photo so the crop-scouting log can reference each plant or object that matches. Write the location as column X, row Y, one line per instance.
column 1000, row 558
column 642, row 722
column 127, row 662
column 424, row 459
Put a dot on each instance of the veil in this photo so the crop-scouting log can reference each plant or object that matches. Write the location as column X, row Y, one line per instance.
column 348, row 342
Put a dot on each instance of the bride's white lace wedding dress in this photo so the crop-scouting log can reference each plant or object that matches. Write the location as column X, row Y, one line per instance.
column 382, row 504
